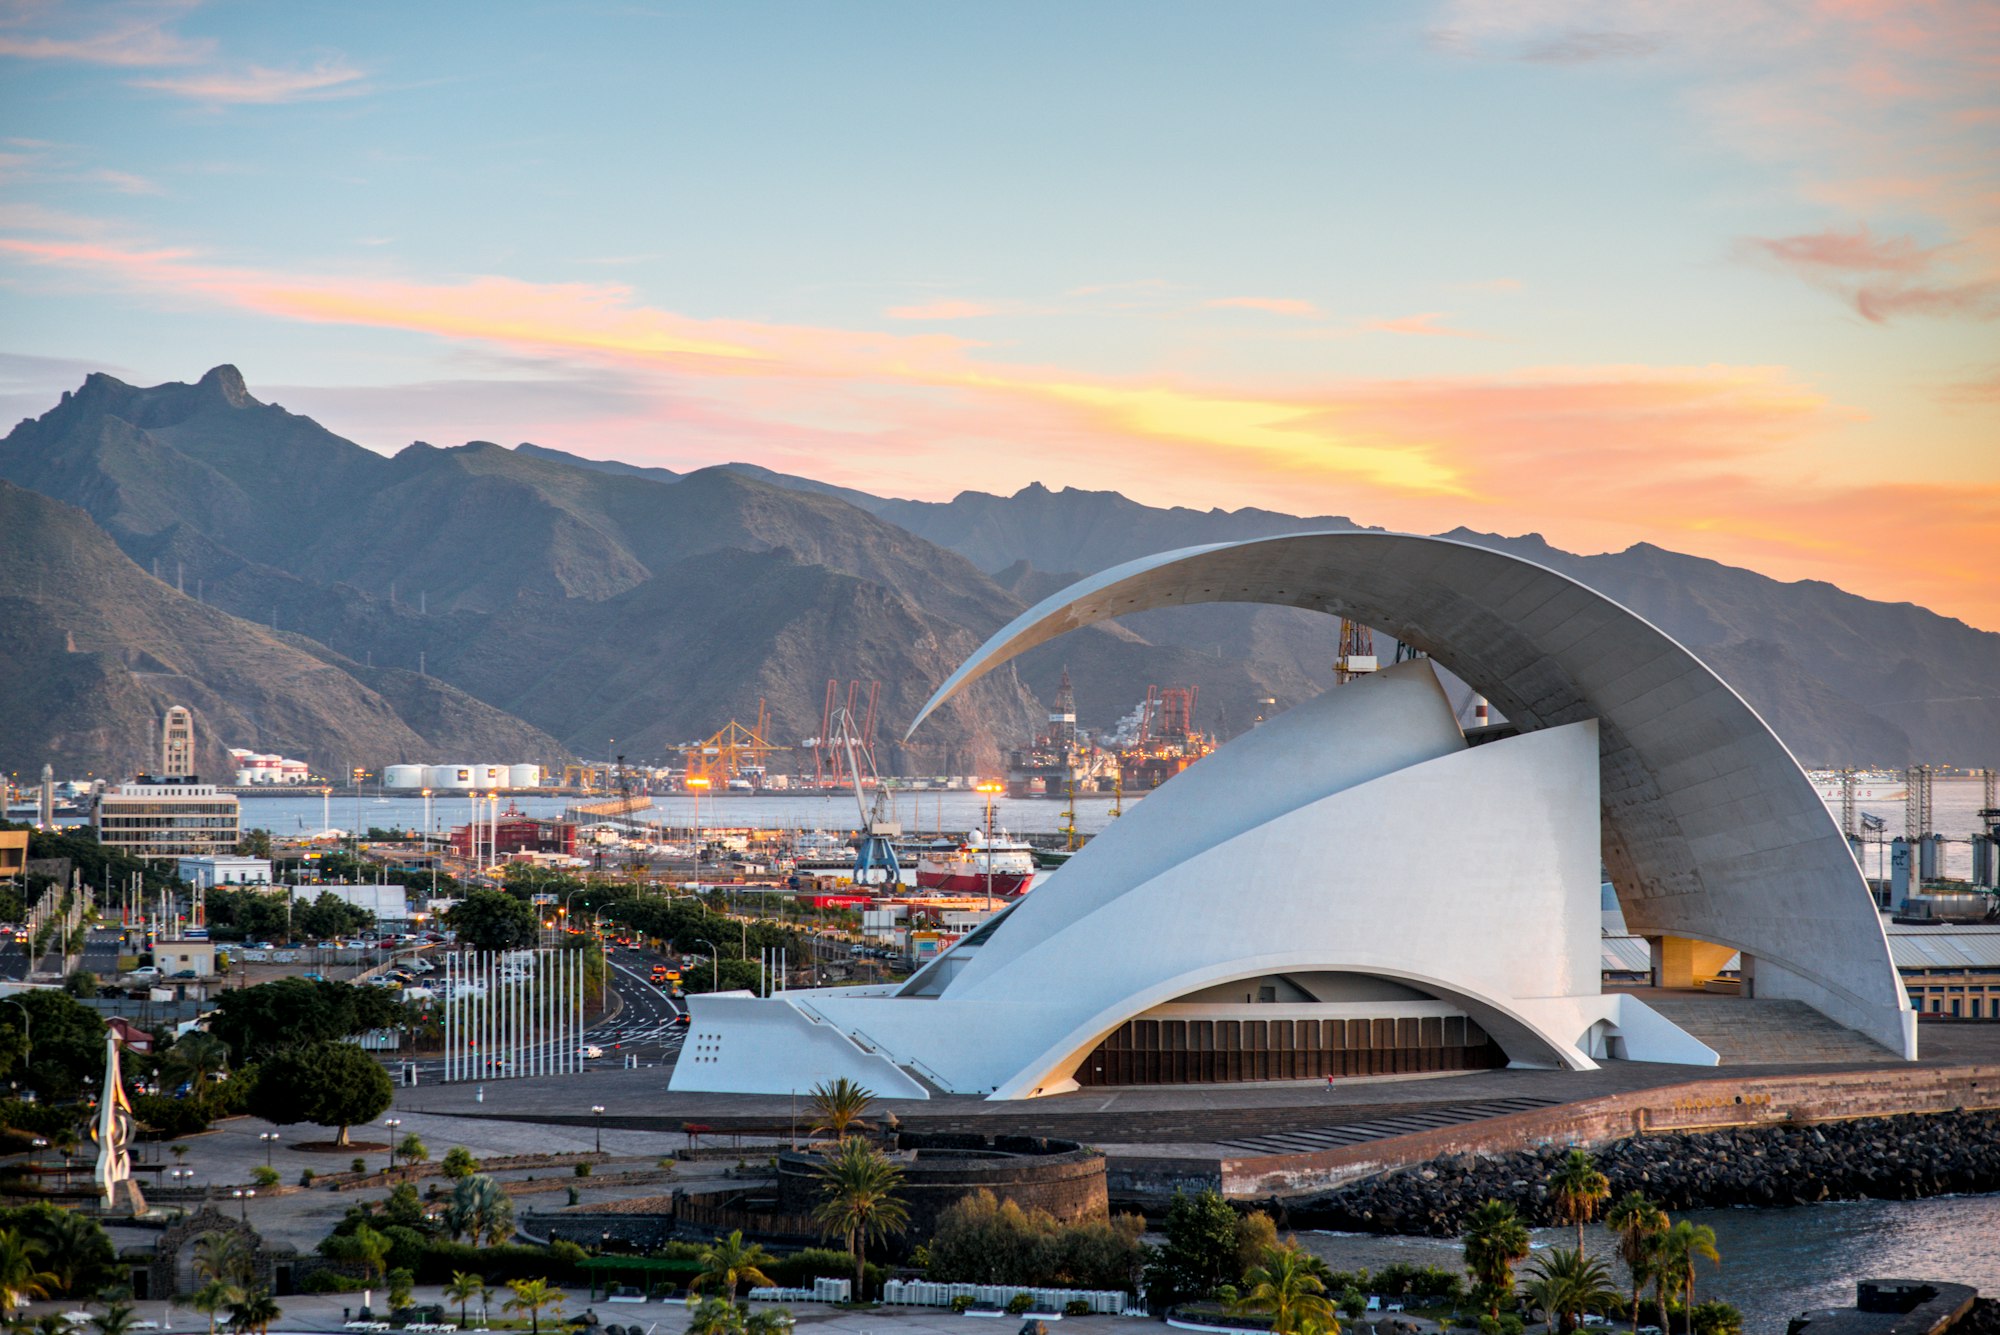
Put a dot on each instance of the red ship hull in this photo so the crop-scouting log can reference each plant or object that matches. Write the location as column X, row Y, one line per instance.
column 1005, row 884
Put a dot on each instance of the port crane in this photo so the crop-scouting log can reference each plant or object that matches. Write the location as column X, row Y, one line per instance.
column 875, row 856
column 1357, row 652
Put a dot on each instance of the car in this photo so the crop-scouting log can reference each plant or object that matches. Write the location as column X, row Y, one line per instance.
column 593, row 1051
column 186, row 973
column 683, row 1019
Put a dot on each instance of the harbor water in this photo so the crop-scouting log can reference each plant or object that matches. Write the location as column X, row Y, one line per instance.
column 1775, row 1263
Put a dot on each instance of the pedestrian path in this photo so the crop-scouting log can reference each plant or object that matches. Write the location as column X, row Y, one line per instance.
column 1307, row 1140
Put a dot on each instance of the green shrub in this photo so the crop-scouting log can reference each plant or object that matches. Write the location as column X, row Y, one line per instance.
column 1419, row 1281
column 332, row 1281
column 961, row 1304
column 801, row 1268
column 1716, row 1318
column 510, row 1261
column 459, row 1163
column 582, row 1169
column 264, row 1178
column 401, row 1283
column 357, row 1165
column 406, row 1247
column 1076, row 1307
column 982, row 1240
column 305, row 1177
column 1019, row 1304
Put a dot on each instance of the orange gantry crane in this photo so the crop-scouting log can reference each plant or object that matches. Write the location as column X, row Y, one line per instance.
column 731, row 753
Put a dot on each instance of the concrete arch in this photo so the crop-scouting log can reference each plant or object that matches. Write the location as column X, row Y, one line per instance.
column 1710, row 828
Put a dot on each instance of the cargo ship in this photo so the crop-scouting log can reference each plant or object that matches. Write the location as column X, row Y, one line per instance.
column 1004, row 869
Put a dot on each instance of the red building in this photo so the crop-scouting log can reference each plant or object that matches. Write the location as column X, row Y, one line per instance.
column 517, row 835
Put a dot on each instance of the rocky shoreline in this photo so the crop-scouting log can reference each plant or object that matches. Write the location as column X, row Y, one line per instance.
column 1885, row 1158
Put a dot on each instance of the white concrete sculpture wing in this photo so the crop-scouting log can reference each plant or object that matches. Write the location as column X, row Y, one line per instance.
column 1710, row 829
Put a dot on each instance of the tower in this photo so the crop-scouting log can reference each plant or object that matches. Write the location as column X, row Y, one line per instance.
column 177, row 743
column 1062, row 719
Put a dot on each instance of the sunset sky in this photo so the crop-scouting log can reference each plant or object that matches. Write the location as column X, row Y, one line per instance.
column 1721, row 277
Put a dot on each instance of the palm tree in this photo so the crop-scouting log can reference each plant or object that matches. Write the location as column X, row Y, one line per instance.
column 117, row 1318
column 481, row 1208
column 200, row 1057
column 365, row 1246
column 213, row 1297
column 1682, row 1245
column 1285, row 1288
column 729, row 1263
column 531, row 1296
column 21, row 1275
column 1495, row 1241
column 1638, row 1224
column 838, row 1105
column 256, row 1312
column 713, row 1316
column 462, row 1290
column 223, row 1256
column 1566, row 1284
column 1576, row 1190
column 858, row 1201
column 68, row 1240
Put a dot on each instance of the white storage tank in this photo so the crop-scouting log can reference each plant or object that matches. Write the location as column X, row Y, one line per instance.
column 492, row 776
column 453, row 776
column 524, row 776
column 409, row 777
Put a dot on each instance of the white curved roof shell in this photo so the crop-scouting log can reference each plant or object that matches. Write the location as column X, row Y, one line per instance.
column 1710, row 828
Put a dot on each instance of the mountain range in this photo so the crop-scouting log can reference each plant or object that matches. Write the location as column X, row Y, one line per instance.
column 188, row 543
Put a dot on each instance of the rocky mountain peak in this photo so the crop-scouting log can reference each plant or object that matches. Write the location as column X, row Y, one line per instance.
column 226, row 382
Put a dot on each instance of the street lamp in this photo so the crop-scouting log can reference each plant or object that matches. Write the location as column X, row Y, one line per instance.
column 390, row 1124
column 989, row 788
column 597, row 1110
column 243, row 1196
column 181, row 1176
column 714, row 965
column 697, row 783
column 269, row 1138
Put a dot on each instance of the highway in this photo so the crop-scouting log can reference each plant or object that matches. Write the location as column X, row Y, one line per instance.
column 643, row 1030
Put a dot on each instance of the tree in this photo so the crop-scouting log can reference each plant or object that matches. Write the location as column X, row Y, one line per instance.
column 1638, row 1224
column 21, row 1275
column 74, row 1247
column 1564, row 1285
column 1200, row 1254
column 68, row 1044
column 493, row 920
column 1715, row 1318
column 255, row 1312
column 838, row 1105
column 216, row 1296
column 1285, row 1288
column 713, row 1316
column 858, row 1201
column 411, row 1149
column 402, row 1285
column 223, row 1256
column 117, row 1318
column 328, row 1084
column 1576, row 1189
column 481, row 1210
column 1495, row 1242
column 363, row 1246
column 198, row 1058
column 459, row 1164
column 531, row 1296
column 729, row 1263
column 1682, row 1245
column 462, row 1290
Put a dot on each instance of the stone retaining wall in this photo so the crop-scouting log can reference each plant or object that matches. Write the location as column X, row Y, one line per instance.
column 1709, row 1104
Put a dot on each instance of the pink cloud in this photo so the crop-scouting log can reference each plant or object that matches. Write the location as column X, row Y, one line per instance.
column 131, row 36
column 942, row 310
column 1725, row 461
column 1858, row 250
column 1272, row 305
column 1883, row 277
column 1426, row 325
column 258, row 85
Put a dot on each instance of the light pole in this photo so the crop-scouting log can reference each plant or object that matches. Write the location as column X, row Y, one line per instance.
column 597, row 1111
column 714, row 965
column 27, row 1027
column 181, row 1176
column 390, row 1124
column 243, row 1203
column 989, row 788
column 269, row 1138
column 697, row 783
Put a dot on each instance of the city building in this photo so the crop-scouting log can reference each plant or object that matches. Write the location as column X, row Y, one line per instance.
column 209, row 872
column 176, row 956
column 389, row 903
column 167, row 818
column 1357, row 886
column 13, row 853
column 177, row 742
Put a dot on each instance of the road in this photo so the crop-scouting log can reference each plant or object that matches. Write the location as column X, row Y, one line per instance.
column 642, row 1031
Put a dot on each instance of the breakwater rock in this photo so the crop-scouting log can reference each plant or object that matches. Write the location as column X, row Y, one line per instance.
column 1887, row 1158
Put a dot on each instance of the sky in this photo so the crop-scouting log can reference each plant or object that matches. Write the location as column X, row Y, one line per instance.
column 1721, row 277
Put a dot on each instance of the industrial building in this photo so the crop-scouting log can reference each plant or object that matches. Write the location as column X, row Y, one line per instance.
column 1358, row 886
column 460, row 777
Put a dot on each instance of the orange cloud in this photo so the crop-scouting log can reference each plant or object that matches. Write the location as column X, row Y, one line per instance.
column 1724, row 461
column 1273, row 305
column 1425, row 325
column 942, row 310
